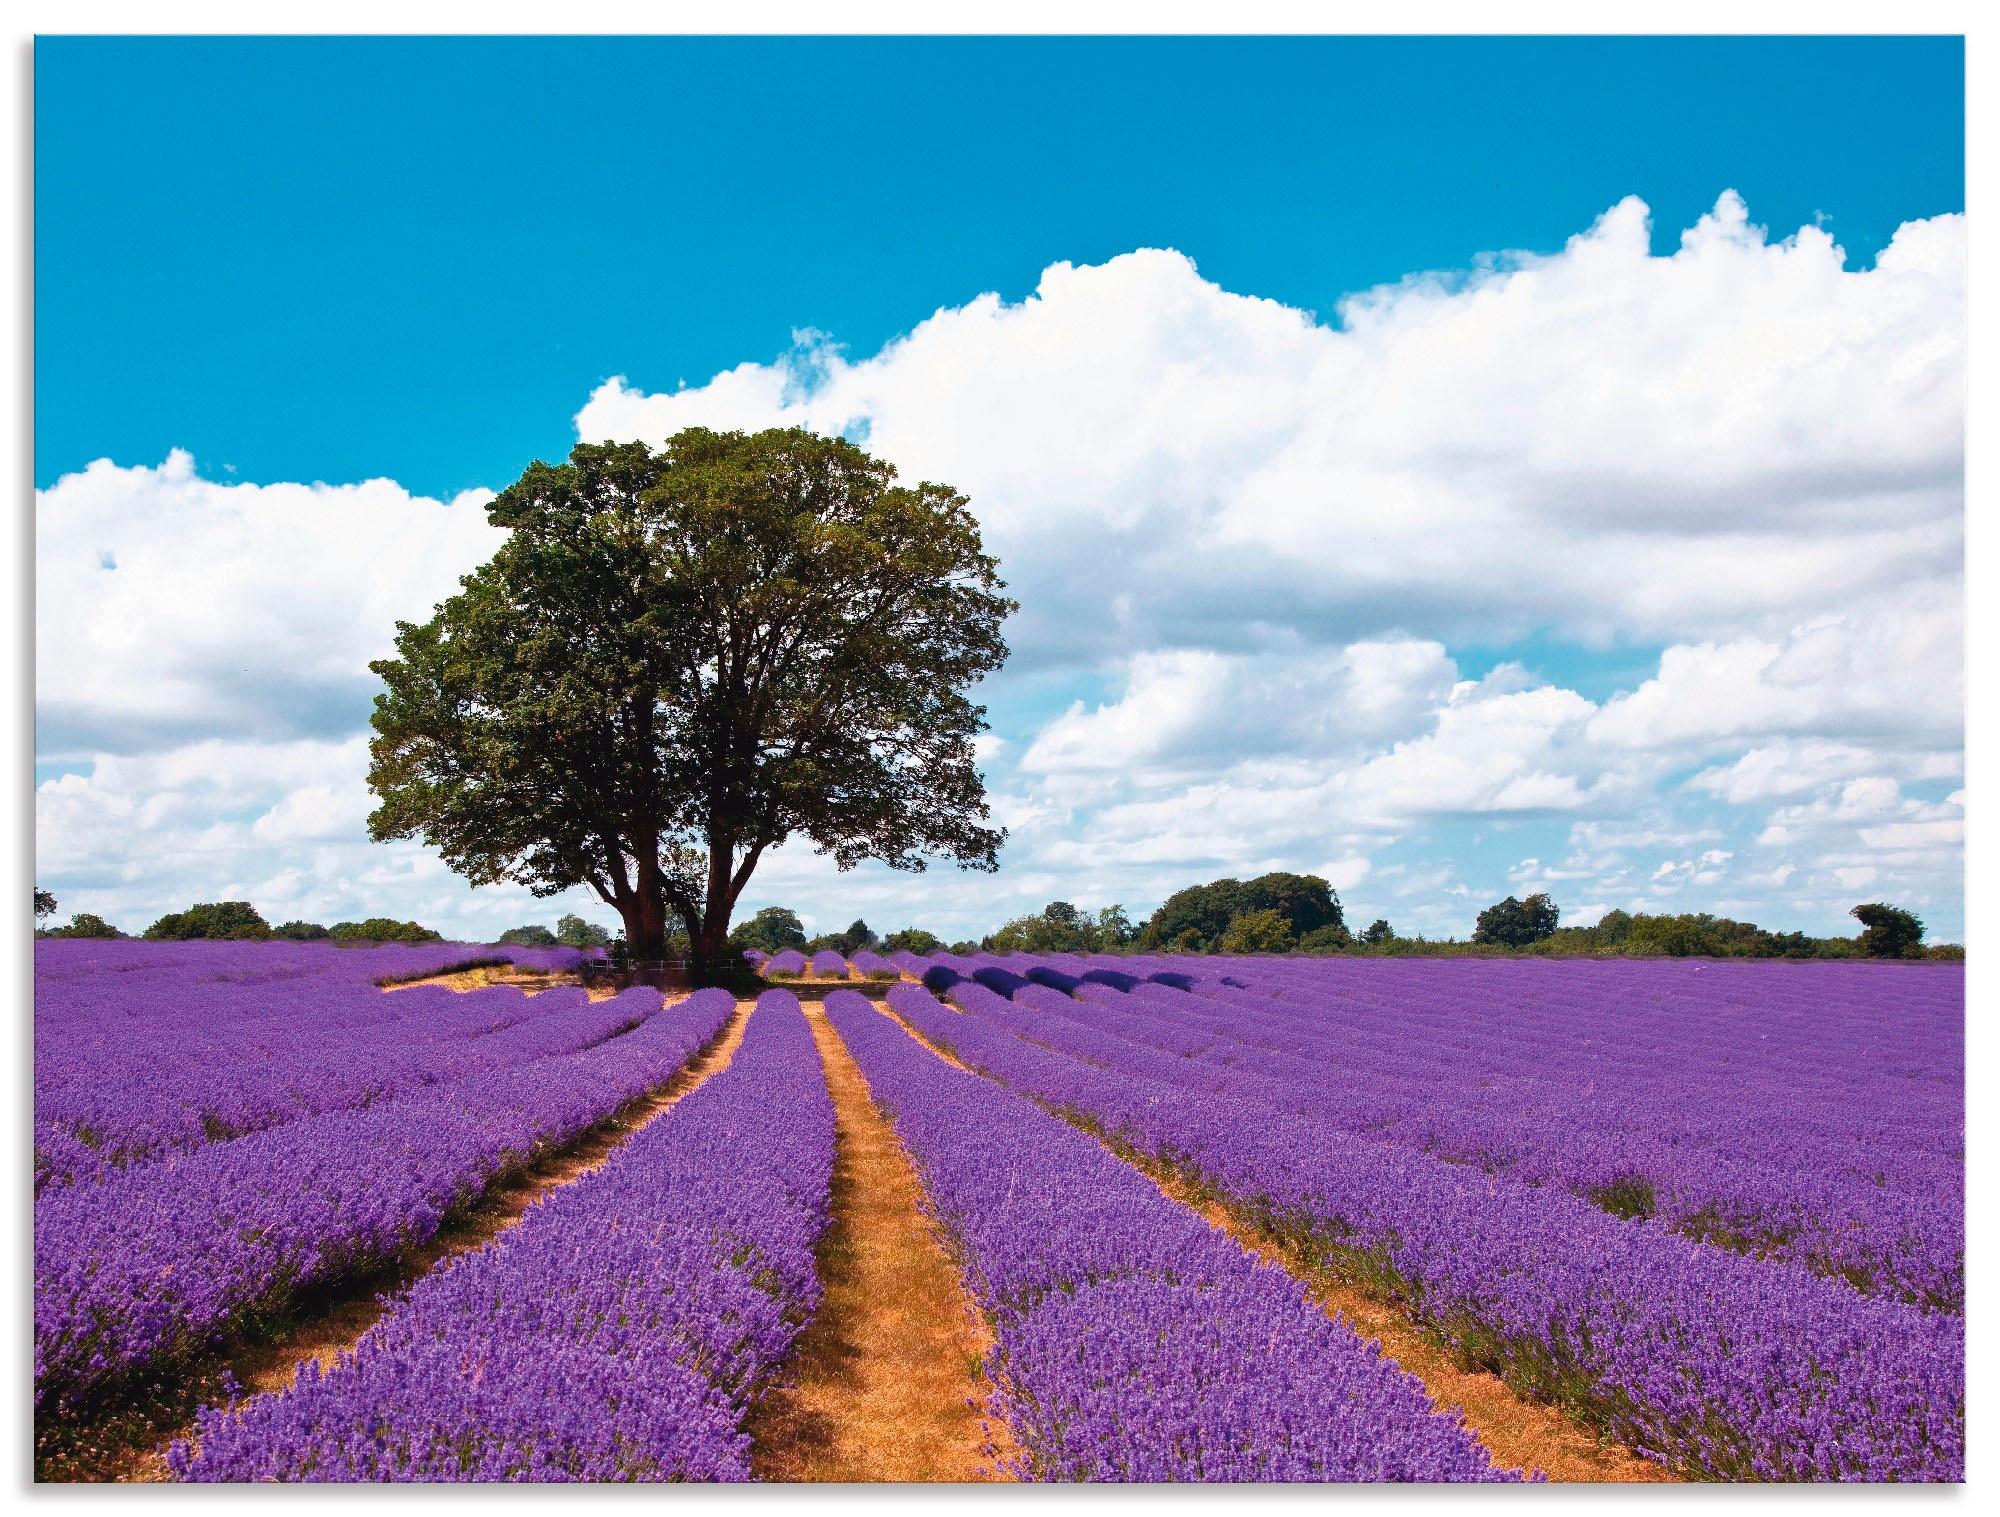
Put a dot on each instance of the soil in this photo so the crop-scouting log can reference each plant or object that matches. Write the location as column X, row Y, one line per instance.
column 125, row 1443
column 882, row 1383
column 479, row 978
column 1519, row 1433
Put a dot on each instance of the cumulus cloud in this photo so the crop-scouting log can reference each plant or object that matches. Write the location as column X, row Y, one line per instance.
column 170, row 608
column 1252, row 550
column 281, row 824
column 1600, row 442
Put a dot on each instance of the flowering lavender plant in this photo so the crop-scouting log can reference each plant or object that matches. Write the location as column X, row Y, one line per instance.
column 1133, row 1341
column 1725, row 1365
column 619, row 1333
column 156, row 1263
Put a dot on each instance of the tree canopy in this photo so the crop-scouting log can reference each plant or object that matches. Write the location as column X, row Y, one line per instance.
column 85, row 924
column 211, row 919
column 774, row 929
column 1516, row 923
column 679, row 660
column 1061, row 928
column 383, row 930
column 1889, row 932
column 1200, row 916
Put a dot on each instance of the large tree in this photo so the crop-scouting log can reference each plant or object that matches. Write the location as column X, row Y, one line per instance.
column 1889, row 932
column 679, row 660
column 1515, row 923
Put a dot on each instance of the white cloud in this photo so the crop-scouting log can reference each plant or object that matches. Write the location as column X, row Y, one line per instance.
column 1190, row 706
column 1788, row 768
column 280, row 824
column 1264, row 536
column 1600, row 441
column 169, row 607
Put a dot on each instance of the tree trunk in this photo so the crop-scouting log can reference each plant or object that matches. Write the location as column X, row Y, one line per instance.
column 645, row 925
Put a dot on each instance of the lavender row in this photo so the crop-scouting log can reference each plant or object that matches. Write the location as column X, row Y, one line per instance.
column 1881, row 1240
column 1717, row 1364
column 142, row 1048
column 1754, row 1171
column 1853, row 1051
column 1133, row 1342
column 451, row 1037
column 1784, row 1129
column 619, row 1333
column 156, row 1264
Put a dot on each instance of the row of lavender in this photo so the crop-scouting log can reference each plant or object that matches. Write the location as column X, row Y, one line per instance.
column 1807, row 1113
column 826, row 964
column 156, row 1263
column 145, row 1049
column 1133, row 1342
column 619, row 1333
column 1864, row 1060
column 1718, row 1364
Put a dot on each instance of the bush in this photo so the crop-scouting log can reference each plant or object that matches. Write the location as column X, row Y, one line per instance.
column 1061, row 928
column 300, row 932
column 211, row 919
column 85, row 924
column 383, row 930
column 1328, row 939
column 1264, row 931
column 530, row 936
column 912, row 940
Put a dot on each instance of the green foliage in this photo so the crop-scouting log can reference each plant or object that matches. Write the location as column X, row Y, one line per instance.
column 1515, row 924
column 912, row 940
column 1692, row 934
column 774, row 929
column 300, row 932
column 45, row 903
column 211, row 919
column 857, row 936
column 84, row 924
column 677, row 661
column 965, row 946
column 1305, row 901
column 1889, row 932
column 1265, row 931
column 1328, row 939
column 530, row 936
column 572, row 931
column 383, row 930
column 1061, row 928
column 1378, row 933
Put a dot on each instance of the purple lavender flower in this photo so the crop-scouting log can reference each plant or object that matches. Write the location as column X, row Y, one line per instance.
column 620, row 1332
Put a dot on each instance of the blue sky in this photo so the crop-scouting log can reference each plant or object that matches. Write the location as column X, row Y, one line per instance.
column 421, row 261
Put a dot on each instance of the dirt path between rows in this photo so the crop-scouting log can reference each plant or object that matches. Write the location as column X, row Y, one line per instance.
column 879, row 1382
column 333, row 1321
column 483, row 976
column 1518, row 1433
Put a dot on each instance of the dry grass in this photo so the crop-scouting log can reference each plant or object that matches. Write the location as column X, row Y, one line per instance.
column 125, row 1442
column 481, row 976
column 880, row 1380
column 1520, row 1434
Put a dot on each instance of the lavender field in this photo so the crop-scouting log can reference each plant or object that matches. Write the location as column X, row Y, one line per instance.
column 1710, row 1213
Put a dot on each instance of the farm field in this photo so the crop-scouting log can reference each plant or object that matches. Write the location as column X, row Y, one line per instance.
column 1175, row 1218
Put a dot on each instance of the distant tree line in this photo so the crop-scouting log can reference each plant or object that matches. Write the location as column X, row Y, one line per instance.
column 235, row 921
column 1282, row 913
column 1275, row 913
